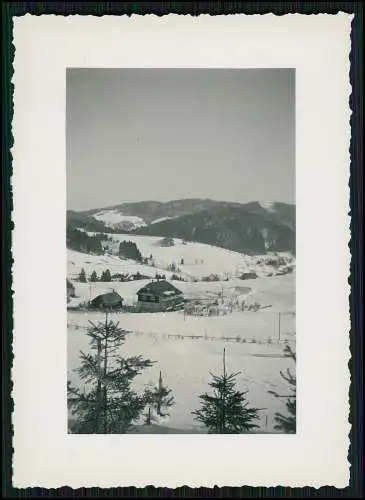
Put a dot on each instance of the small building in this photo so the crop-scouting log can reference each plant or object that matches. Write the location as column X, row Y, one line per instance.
column 248, row 276
column 107, row 301
column 159, row 295
column 167, row 242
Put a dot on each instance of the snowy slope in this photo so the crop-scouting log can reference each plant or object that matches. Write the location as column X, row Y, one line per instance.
column 201, row 260
column 116, row 220
column 99, row 263
column 186, row 348
column 161, row 219
column 268, row 205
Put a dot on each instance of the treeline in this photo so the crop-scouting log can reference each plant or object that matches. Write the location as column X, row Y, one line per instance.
column 106, row 276
column 82, row 242
column 77, row 220
column 129, row 250
column 242, row 228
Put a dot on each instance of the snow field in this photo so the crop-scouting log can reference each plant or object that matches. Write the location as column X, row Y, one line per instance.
column 113, row 218
column 186, row 365
column 99, row 263
column 199, row 259
column 236, row 327
column 172, row 339
column 186, row 362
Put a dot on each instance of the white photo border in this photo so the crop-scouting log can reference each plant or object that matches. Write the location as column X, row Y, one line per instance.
column 318, row 47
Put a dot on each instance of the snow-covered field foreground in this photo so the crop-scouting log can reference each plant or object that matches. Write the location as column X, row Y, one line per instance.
column 187, row 348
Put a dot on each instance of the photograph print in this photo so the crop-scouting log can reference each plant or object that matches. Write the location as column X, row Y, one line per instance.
column 181, row 258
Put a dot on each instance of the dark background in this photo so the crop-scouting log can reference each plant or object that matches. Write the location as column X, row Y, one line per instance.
column 356, row 452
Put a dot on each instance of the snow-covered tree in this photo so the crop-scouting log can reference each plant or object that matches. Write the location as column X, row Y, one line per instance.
column 82, row 276
column 288, row 423
column 160, row 398
column 108, row 404
column 225, row 410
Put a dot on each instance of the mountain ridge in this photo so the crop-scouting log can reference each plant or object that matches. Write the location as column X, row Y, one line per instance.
column 251, row 227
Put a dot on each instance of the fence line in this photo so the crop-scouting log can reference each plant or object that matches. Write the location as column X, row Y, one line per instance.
column 133, row 308
column 178, row 336
column 279, row 331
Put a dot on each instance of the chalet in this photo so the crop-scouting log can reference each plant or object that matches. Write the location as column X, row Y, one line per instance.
column 159, row 295
column 107, row 301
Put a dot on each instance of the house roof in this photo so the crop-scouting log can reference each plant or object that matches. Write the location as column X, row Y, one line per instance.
column 160, row 288
column 109, row 298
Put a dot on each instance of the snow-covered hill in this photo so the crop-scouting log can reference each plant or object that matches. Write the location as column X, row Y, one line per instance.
column 116, row 220
column 161, row 219
column 268, row 205
column 252, row 228
column 99, row 263
column 191, row 260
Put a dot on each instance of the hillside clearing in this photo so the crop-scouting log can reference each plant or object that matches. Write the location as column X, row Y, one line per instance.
column 191, row 260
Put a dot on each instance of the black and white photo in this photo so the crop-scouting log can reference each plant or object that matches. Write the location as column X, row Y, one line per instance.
column 181, row 250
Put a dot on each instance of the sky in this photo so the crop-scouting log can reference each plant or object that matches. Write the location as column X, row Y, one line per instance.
column 166, row 134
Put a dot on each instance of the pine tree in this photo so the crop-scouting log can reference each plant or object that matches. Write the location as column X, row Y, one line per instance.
column 160, row 398
column 225, row 410
column 93, row 277
column 106, row 276
column 82, row 276
column 109, row 405
column 129, row 250
column 288, row 423
column 82, row 242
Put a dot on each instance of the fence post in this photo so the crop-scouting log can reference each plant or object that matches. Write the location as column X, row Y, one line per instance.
column 279, row 325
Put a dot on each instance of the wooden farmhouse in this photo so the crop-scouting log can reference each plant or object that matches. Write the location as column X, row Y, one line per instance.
column 107, row 301
column 160, row 295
